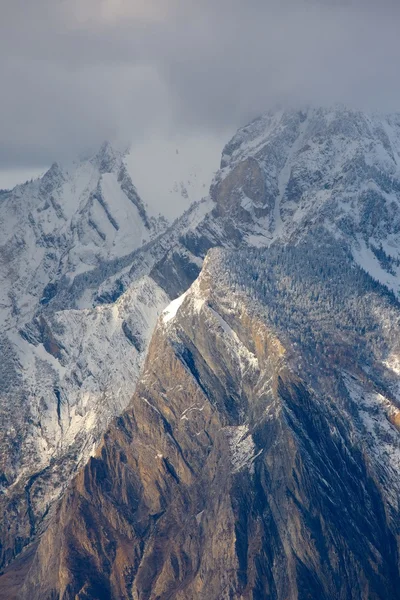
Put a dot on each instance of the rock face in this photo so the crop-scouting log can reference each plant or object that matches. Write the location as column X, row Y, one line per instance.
column 247, row 465
column 79, row 310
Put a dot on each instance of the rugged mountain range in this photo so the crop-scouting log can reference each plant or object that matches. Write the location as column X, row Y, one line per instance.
column 259, row 455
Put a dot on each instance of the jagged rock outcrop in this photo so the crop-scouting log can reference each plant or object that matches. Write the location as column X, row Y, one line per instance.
column 258, row 457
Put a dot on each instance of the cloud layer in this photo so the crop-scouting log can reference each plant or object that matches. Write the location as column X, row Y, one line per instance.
column 75, row 72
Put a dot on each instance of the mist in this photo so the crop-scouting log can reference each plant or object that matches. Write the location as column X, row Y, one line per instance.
column 74, row 73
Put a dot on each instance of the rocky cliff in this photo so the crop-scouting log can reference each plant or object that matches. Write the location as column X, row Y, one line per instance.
column 258, row 457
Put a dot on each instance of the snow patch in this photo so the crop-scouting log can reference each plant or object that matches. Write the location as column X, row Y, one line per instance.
column 246, row 358
column 187, row 411
column 367, row 260
column 170, row 312
column 241, row 446
column 393, row 363
column 258, row 240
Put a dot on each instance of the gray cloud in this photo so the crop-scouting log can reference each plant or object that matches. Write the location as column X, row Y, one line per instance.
column 76, row 72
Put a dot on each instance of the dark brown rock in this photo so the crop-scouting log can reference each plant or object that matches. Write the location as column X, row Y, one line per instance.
column 230, row 476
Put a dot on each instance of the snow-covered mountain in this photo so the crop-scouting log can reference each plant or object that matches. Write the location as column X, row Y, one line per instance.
column 59, row 368
column 337, row 167
column 86, row 272
column 64, row 224
column 72, row 335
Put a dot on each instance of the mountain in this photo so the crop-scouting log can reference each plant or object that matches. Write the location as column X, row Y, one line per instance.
column 259, row 455
column 290, row 170
column 57, row 361
column 293, row 186
column 67, row 223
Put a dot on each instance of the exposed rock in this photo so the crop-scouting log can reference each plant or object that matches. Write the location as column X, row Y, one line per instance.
column 242, row 469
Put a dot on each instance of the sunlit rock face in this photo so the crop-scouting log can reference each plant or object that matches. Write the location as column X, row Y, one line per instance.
column 259, row 455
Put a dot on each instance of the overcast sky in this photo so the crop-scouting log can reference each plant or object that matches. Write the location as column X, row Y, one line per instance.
column 76, row 72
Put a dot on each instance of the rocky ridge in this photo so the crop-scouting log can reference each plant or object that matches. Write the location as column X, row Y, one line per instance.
column 244, row 467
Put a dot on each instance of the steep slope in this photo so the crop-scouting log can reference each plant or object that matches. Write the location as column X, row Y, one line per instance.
column 58, row 366
column 72, row 337
column 259, row 455
column 68, row 367
column 81, row 296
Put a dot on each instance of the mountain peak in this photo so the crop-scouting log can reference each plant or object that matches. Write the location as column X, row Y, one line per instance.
column 336, row 121
column 108, row 159
column 52, row 179
column 290, row 170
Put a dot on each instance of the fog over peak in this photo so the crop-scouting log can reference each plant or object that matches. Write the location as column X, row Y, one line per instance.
column 75, row 72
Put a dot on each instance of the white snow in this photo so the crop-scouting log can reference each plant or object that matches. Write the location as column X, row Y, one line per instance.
column 284, row 177
column 59, row 225
column 68, row 232
column 258, row 240
column 383, row 438
column 170, row 312
column 193, row 408
column 96, row 378
column 393, row 362
column 245, row 357
column 242, row 447
column 196, row 297
column 132, row 232
column 367, row 260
